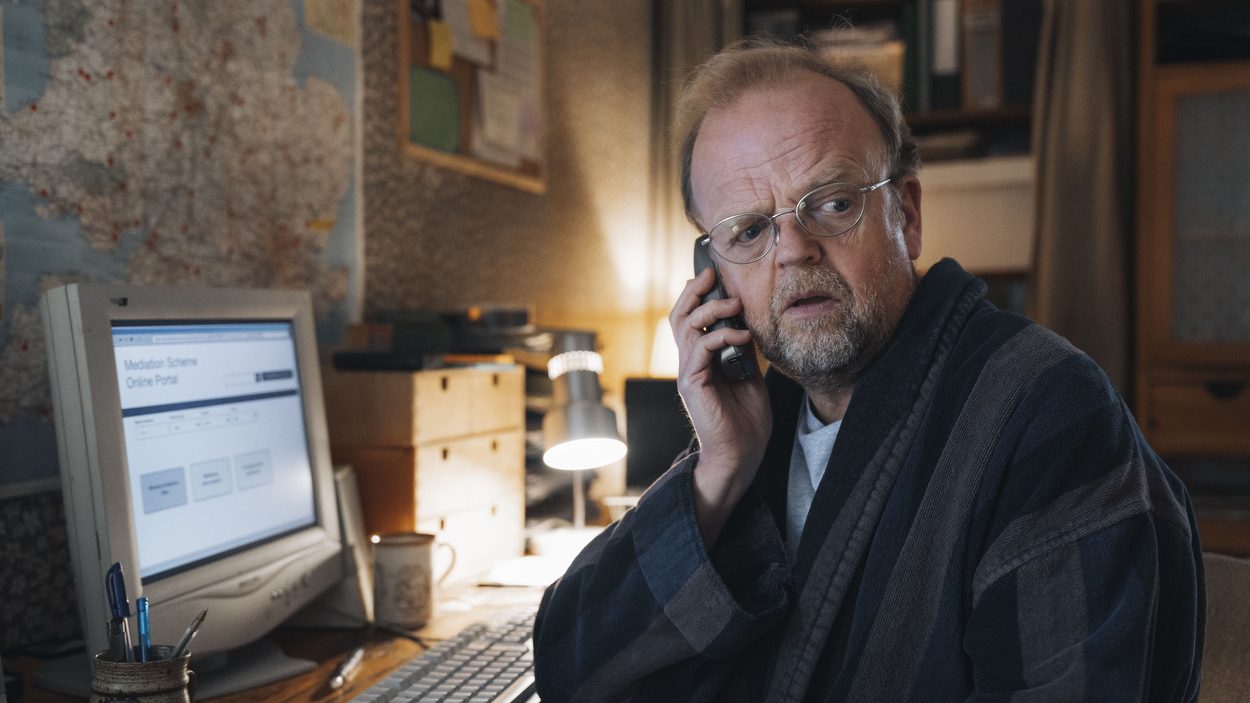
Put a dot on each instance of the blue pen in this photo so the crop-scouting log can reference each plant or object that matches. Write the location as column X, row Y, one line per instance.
column 145, row 634
column 119, row 632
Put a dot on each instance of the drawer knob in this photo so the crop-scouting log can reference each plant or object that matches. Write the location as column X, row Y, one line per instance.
column 1225, row 390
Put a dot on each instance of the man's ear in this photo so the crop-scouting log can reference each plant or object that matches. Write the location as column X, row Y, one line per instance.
column 909, row 195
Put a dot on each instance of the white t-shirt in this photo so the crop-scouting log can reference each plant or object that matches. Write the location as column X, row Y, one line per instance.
column 813, row 443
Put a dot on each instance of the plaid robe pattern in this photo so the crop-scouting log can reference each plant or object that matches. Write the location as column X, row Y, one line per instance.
column 992, row 527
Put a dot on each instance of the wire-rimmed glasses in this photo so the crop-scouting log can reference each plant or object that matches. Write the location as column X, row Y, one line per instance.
column 827, row 211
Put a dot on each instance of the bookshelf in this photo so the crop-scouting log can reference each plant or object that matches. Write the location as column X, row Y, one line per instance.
column 976, row 152
column 965, row 73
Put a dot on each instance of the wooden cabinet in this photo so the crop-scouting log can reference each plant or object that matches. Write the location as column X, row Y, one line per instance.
column 1193, row 250
column 438, row 451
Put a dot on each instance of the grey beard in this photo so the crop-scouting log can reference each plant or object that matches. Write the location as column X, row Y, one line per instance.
column 827, row 353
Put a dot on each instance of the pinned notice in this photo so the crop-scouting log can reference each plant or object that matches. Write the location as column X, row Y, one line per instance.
column 433, row 109
column 440, row 45
column 482, row 19
column 468, row 45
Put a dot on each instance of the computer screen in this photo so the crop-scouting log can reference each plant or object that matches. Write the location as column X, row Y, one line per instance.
column 214, row 429
column 193, row 451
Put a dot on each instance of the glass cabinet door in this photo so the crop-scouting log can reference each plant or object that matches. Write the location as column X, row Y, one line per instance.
column 1211, row 219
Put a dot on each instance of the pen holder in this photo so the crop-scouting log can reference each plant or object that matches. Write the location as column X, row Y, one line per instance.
column 161, row 680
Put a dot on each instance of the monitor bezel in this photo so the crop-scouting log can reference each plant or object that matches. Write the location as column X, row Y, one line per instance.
column 290, row 570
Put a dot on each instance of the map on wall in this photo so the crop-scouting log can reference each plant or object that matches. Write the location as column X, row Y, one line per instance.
column 169, row 143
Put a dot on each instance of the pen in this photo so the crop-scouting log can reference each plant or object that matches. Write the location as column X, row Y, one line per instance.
column 119, row 607
column 345, row 670
column 145, row 634
column 192, row 630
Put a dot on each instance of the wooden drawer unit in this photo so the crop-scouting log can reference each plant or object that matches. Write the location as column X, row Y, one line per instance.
column 436, row 451
column 1199, row 417
column 400, row 408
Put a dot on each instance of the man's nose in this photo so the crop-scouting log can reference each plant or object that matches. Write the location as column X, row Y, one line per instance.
column 794, row 244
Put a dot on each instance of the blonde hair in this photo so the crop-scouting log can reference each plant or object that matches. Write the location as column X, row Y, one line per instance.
column 724, row 77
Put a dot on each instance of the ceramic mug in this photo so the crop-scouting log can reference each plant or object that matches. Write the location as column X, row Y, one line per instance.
column 405, row 591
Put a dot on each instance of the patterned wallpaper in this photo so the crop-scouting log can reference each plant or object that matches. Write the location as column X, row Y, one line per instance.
column 37, row 583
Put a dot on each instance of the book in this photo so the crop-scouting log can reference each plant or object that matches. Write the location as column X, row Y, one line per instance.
column 945, row 76
column 1021, row 27
column 982, row 54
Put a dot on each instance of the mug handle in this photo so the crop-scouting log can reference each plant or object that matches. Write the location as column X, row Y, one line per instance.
column 450, row 565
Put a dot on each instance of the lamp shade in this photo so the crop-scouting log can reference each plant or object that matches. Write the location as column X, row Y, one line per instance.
column 579, row 431
column 581, row 435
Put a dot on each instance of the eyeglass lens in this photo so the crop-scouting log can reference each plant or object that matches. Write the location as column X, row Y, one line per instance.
column 825, row 212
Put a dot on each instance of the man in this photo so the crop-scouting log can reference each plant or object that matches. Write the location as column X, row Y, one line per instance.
column 989, row 523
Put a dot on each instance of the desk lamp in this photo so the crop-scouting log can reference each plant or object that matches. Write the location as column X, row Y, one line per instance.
column 579, row 431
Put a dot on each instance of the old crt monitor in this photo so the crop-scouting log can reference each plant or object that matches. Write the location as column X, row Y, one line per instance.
column 193, row 451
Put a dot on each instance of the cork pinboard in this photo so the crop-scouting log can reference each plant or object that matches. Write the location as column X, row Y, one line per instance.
column 471, row 87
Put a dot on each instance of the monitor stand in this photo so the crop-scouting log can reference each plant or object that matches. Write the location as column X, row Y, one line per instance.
column 249, row 666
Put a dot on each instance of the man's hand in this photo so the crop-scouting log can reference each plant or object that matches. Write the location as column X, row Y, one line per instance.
column 732, row 419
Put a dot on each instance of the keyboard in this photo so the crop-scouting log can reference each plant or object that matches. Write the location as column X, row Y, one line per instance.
column 489, row 662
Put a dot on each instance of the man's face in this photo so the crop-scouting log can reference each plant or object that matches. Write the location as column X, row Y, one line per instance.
column 819, row 308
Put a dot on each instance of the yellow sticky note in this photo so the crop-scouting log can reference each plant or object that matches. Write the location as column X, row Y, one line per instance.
column 483, row 21
column 440, row 45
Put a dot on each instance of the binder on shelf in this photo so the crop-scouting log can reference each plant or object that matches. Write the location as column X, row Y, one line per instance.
column 924, row 54
column 982, row 54
column 910, row 94
column 945, row 77
column 1021, row 28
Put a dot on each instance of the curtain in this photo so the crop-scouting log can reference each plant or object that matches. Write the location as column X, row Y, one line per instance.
column 1083, row 143
column 686, row 33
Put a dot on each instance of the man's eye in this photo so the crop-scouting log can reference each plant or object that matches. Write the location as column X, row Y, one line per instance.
column 748, row 232
column 834, row 206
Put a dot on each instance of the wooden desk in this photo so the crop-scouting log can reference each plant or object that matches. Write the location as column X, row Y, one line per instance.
column 327, row 647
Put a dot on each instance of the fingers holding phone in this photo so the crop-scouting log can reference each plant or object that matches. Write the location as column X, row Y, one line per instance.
column 735, row 361
column 724, row 396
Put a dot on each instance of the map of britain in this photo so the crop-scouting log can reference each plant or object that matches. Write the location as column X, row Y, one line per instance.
column 168, row 143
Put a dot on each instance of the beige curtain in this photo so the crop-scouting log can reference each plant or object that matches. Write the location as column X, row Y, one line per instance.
column 686, row 33
column 1082, row 140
